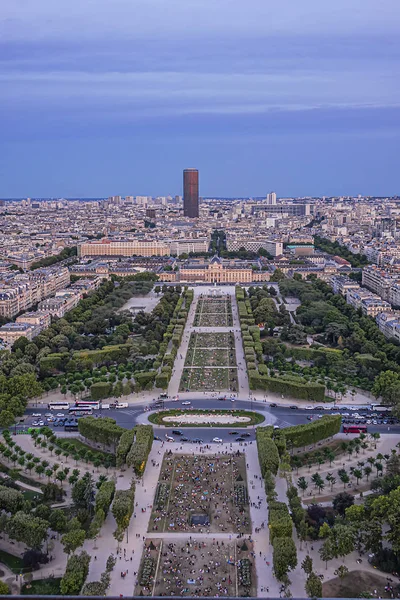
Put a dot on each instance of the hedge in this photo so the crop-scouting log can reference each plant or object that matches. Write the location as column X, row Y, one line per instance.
column 268, row 454
column 103, row 431
column 308, row 391
column 75, row 574
column 104, row 496
column 284, row 556
column 141, row 448
column 125, row 443
column 100, row 390
column 311, row 433
column 279, row 521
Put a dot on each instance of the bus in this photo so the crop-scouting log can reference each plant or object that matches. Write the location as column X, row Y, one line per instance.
column 94, row 404
column 71, row 426
column 381, row 408
column 355, row 429
column 58, row 406
column 80, row 411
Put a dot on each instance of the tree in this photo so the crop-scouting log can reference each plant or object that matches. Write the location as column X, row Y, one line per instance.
column 342, row 501
column 27, row 528
column 358, row 475
column 344, row 478
column 327, row 551
column 277, row 275
column 61, row 476
column 367, row 471
column 314, row 586
column 324, row 531
column 307, row 565
column 341, row 571
column 73, row 540
column 4, row 589
column 302, row 484
column 6, row 418
column 58, row 521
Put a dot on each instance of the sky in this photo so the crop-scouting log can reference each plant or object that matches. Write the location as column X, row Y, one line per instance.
column 106, row 97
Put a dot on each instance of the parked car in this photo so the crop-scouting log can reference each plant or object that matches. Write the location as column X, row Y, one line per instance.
column 293, row 407
column 273, row 405
column 177, row 432
column 186, row 403
column 217, row 440
column 36, row 415
column 233, row 433
column 240, row 439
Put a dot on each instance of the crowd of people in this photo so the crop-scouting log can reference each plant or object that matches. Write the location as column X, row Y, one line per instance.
column 202, row 486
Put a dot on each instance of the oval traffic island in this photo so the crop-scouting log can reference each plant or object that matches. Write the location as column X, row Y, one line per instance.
column 206, row 418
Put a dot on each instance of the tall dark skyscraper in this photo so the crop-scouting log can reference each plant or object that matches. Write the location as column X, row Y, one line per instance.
column 191, row 193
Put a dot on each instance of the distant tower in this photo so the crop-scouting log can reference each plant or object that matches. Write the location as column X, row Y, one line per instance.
column 271, row 198
column 191, row 193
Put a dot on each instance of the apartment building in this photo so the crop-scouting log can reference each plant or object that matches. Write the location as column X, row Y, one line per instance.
column 21, row 292
column 378, row 281
column 341, row 284
column 370, row 304
column 38, row 318
column 389, row 324
column 11, row 332
column 63, row 301
column 106, row 247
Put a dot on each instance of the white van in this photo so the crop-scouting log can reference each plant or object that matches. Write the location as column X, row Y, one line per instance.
column 122, row 405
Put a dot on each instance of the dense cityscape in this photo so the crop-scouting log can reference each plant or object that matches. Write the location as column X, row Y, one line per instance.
column 156, row 342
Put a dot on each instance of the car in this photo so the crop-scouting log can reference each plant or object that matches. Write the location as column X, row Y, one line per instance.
column 233, row 433
column 234, row 399
column 308, row 408
column 35, row 423
column 273, row 405
column 240, row 439
column 319, row 408
column 310, row 418
column 217, row 440
column 48, row 415
column 50, row 420
column 294, row 407
column 169, row 439
column 177, row 432
column 198, row 441
column 345, row 414
column 60, row 415
column 186, row 403
column 276, row 427
column 157, row 438
column 36, row 415
column 184, row 439
column 222, row 398
column 245, row 434
column 41, row 423
column 328, row 407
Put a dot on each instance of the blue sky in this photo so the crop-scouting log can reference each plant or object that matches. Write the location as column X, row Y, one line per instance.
column 103, row 97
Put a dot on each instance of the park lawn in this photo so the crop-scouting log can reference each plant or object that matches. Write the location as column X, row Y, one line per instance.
column 355, row 583
column 42, row 587
column 14, row 563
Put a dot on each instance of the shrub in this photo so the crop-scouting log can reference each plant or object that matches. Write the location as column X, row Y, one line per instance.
column 75, row 574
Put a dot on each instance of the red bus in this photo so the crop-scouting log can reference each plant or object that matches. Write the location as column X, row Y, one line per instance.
column 355, row 429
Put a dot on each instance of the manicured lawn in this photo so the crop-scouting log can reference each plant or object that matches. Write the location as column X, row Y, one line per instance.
column 42, row 587
column 213, row 312
column 255, row 418
column 14, row 563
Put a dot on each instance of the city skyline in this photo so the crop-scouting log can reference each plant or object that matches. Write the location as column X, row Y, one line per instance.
column 298, row 98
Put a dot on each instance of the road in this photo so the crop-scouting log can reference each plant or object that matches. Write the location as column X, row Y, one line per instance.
column 281, row 416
